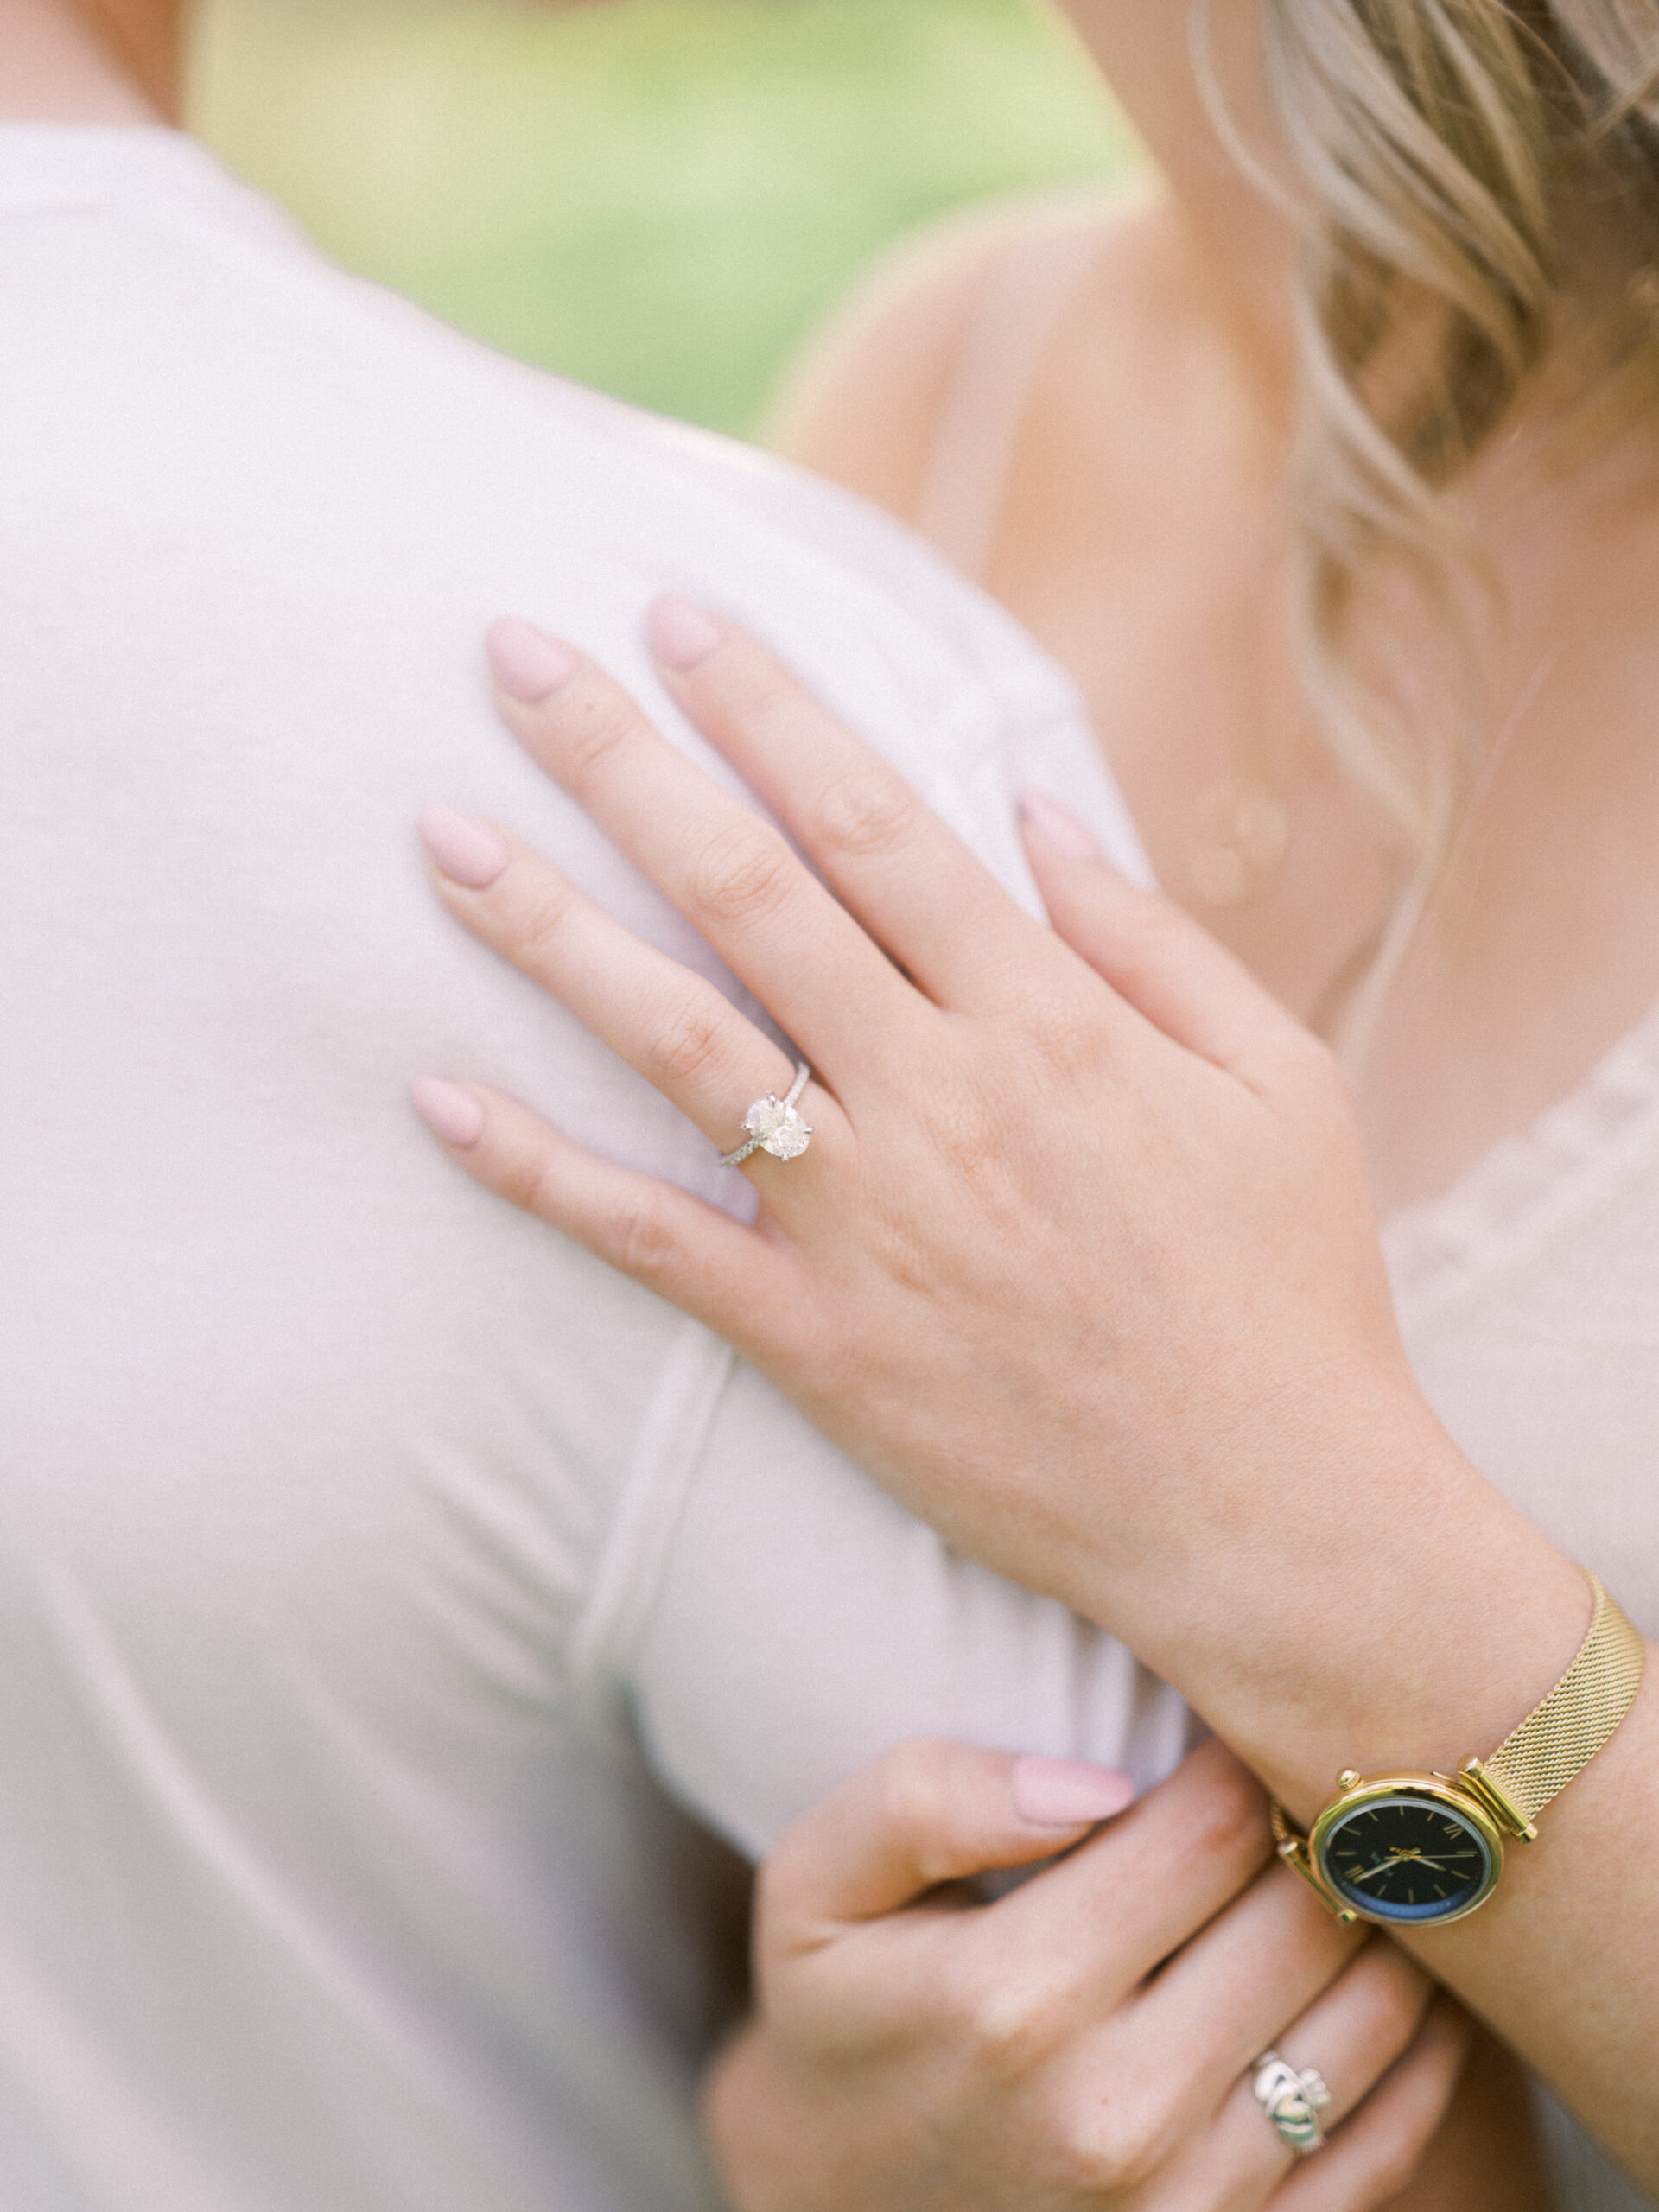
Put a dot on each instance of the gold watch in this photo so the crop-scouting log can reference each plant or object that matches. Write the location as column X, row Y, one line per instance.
column 1419, row 1850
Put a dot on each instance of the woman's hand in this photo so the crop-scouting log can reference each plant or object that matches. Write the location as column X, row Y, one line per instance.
column 1081, row 1263
column 1086, row 2041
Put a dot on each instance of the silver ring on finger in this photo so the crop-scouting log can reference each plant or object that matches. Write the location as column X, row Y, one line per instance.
column 774, row 1126
column 1291, row 2100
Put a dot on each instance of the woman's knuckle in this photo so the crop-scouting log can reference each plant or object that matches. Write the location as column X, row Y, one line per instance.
column 691, row 1040
column 743, row 874
column 601, row 719
column 1008, row 2018
column 1075, row 2157
column 965, row 1127
column 912, row 1791
column 1063, row 1029
column 867, row 811
column 538, row 938
column 639, row 1242
column 1116, row 2148
column 1228, row 1816
column 525, row 1180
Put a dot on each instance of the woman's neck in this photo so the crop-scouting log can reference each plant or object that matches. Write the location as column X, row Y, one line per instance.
column 1241, row 245
column 53, row 68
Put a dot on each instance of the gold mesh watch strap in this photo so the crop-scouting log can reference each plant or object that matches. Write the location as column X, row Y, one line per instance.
column 1564, row 1733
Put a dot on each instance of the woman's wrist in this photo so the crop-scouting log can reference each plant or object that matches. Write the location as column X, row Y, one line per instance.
column 1408, row 1618
column 1083, row 1262
column 1428, row 1660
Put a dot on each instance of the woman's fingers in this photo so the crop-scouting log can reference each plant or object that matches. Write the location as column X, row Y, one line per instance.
column 1153, row 955
column 698, row 1258
column 671, row 1026
column 916, row 2053
column 1353, row 2032
column 1350, row 2036
column 1375, row 2153
column 907, row 877
column 928, row 1812
column 1254, row 1967
column 1183, row 1852
column 730, row 874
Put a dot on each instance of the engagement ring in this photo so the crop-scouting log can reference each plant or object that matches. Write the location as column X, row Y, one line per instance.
column 774, row 1126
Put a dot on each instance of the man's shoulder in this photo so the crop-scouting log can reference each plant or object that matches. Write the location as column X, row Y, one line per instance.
column 381, row 486
column 628, row 487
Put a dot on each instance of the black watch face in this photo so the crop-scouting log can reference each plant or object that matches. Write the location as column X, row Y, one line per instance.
column 1407, row 1858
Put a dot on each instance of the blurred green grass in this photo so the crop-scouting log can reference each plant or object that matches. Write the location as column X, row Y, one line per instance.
column 657, row 197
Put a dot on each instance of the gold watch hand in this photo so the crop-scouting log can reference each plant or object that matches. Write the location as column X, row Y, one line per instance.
column 1382, row 1868
column 1401, row 1859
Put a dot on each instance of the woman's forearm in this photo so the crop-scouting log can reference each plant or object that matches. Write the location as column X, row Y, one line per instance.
column 1083, row 1266
column 1419, row 1622
column 1393, row 1612
column 1565, row 1959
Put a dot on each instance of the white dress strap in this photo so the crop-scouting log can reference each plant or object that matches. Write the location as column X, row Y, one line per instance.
column 1029, row 282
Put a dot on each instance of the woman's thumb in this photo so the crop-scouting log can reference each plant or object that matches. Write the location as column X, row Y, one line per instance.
column 927, row 1813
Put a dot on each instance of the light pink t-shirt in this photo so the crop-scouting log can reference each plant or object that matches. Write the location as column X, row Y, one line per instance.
column 367, row 1555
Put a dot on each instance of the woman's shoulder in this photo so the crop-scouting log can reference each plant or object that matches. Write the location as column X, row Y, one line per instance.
column 866, row 399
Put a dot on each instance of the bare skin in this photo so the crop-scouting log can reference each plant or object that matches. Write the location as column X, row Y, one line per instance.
column 61, row 67
column 920, row 2052
column 52, row 70
column 1072, row 1108
column 1142, row 543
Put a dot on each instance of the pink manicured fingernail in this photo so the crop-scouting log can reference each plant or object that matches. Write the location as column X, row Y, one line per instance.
column 1056, row 825
column 1067, row 1793
column 528, row 664
column 467, row 850
column 680, row 633
column 447, row 1110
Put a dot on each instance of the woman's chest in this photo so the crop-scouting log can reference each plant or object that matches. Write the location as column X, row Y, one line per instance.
column 1167, row 596
column 1154, row 567
column 1528, row 1300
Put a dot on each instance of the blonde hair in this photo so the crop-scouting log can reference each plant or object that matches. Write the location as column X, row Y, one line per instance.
column 1484, row 182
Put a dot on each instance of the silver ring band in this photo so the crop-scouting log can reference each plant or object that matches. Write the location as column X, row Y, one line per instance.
column 774, row 1126
column 1291, row 2100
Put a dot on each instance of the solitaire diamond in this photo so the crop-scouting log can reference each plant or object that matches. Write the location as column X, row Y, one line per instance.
column 779, row 1127
column 773, row 1125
